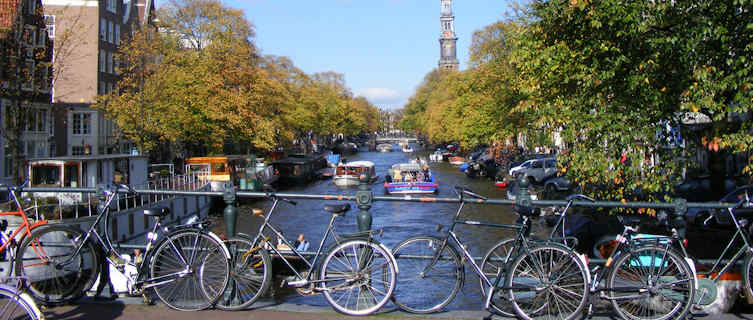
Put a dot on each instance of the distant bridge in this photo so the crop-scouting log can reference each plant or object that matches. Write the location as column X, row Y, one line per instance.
column 390, row 139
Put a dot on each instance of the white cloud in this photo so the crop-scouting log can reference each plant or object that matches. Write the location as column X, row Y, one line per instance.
column 380, row 95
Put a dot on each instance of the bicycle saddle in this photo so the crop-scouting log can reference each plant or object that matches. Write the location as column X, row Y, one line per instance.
column 338, row 209
column 157, row 212
column 527, row 211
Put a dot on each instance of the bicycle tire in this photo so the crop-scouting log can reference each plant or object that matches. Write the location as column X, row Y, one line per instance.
column 208, row 268
column 358, row 264
column 418, row 292
column 37, row 260
column 560, row 269
column 493, row 261
column 636, row 265
column 250, row 274
column 13, row 306
column 748, row 275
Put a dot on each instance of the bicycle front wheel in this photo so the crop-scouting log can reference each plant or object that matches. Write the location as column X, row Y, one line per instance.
column 13, row 306
column 494, row 265
column 651, row 282
column 191, row 270
column 424, row 287
column 748, row 275
column 358, row 277
column 54, row 274
column 548, row 282
column 250, row 274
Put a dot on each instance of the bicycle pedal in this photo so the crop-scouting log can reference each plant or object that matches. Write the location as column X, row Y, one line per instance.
column 147, row 300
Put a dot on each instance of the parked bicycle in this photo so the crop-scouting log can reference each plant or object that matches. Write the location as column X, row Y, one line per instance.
column 15, row 304
column 645, row 276
column 541, row 279
column 187, row 266
column 22, row 231
column 356, row 276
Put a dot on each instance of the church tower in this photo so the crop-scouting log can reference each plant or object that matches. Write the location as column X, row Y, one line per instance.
column 448, row 54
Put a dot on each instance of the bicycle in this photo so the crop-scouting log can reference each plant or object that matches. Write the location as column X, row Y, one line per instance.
column 188, row 270
column 357, row 275
column 646, row 278
column 433, row 266
column 15, row 303
column 23, row 230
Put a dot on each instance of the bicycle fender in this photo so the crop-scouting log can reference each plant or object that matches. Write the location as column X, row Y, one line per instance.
column 224, row 247
column 692, row 268
column 390, row 256
column 584, row 261
column 32, row 304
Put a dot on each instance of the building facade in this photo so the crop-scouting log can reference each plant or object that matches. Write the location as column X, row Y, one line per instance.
column 87, row 35
column 25, row 85
column 447, row 40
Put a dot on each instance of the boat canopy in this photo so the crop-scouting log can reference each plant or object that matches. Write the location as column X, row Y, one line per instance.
column 407, row 166
column 359, row 164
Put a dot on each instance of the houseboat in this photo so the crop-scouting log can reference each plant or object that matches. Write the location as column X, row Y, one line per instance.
column 407, row 178
column 348, row 174
column 246, row 172
column 384, row 147
column 299, row 168
column 128, row 224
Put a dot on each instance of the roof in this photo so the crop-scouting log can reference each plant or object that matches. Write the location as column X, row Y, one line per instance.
column 8, row 11
column 90, row 157
column 358, row 164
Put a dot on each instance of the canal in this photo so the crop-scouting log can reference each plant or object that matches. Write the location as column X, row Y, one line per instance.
column 400, row 220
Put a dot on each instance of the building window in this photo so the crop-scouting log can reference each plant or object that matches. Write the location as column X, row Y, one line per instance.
column 102, row 29
column 109, row 62
column 49, row 20
column 28, row 74
column 37, row 120
column 82, row 123
column 117, row 34
column 109, row 87
column 8, row 163
column 110, row 30
column 116, row 65
column 41, row 76
column 31, row 6
column 42, row 38
column 77, row 151
column 102, row 61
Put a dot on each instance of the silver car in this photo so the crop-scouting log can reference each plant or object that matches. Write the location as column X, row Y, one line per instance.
column 536, row 170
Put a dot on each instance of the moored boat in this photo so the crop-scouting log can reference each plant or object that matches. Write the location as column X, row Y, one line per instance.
column 456, row 160
column 407, row 148
column 348, row 174
column 384, row 147
column 247, row 172
column 299, row 168
column 436, row 156
column 408, row 178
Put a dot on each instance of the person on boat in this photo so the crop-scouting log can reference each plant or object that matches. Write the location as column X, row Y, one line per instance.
column 420, row 176
column 398, row 177
column 427, row 175
column 301, row 244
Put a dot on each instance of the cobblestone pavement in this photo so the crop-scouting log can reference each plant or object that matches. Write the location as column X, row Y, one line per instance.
column 133, row 308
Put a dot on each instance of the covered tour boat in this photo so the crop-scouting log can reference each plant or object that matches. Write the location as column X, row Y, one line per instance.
column 348, row 174
column 407, row 178
column 384, row 147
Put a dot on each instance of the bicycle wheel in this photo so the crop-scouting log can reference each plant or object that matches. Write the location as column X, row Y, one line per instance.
column 250, row 274
column 54, row 274
column 494, row 264
column 662, row 284
column 424, row 289
column 548, row 282
column 14, row 306
column 194, row 269
column 358, row 277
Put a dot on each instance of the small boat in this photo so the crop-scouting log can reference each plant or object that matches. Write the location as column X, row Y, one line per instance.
column 333, row 160
column 407, row 148
column 384, row 147
column 500, row 184
column 348, row 174
column 325, row 173
column 436, row 156
column 408, row 178
column 456, row 161
column 463, row 167
column 255, row 177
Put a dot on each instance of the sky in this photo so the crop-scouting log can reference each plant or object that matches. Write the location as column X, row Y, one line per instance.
column 383, row 47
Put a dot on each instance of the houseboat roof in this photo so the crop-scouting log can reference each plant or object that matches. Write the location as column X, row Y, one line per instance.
column 90, row 157
column 358, row 164
column 298, row 159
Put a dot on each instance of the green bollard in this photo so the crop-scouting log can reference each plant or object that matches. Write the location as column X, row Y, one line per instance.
column 364, row 198
column 523, row 198
column 231, row 212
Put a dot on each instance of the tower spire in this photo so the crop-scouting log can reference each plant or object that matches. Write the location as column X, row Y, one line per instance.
column 447, row 40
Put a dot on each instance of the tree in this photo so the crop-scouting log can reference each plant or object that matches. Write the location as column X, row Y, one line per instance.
column 25, row 74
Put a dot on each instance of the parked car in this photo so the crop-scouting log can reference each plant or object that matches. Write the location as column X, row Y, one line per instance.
column 558, row 185
column 536, row 170
column 721, row 216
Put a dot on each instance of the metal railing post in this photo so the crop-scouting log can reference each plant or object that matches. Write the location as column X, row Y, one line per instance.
column 364, row 198
column 231, row 212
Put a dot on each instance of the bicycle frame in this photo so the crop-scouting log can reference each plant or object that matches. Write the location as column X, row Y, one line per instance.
column 25, row 226
column 260, row 239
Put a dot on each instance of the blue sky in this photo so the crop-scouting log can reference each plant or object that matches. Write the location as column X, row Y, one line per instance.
column 383, row 47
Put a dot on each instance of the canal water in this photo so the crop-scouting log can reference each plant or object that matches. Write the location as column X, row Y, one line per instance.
column 399, row 220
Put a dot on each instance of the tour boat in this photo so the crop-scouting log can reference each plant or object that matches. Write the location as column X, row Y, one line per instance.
column 384, row 147
column 456, row 161
column 348, row 174
column 408, row 178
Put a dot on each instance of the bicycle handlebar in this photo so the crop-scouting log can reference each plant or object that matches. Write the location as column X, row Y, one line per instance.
column 740, row 204
column 274, row 196
column 577, row 196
